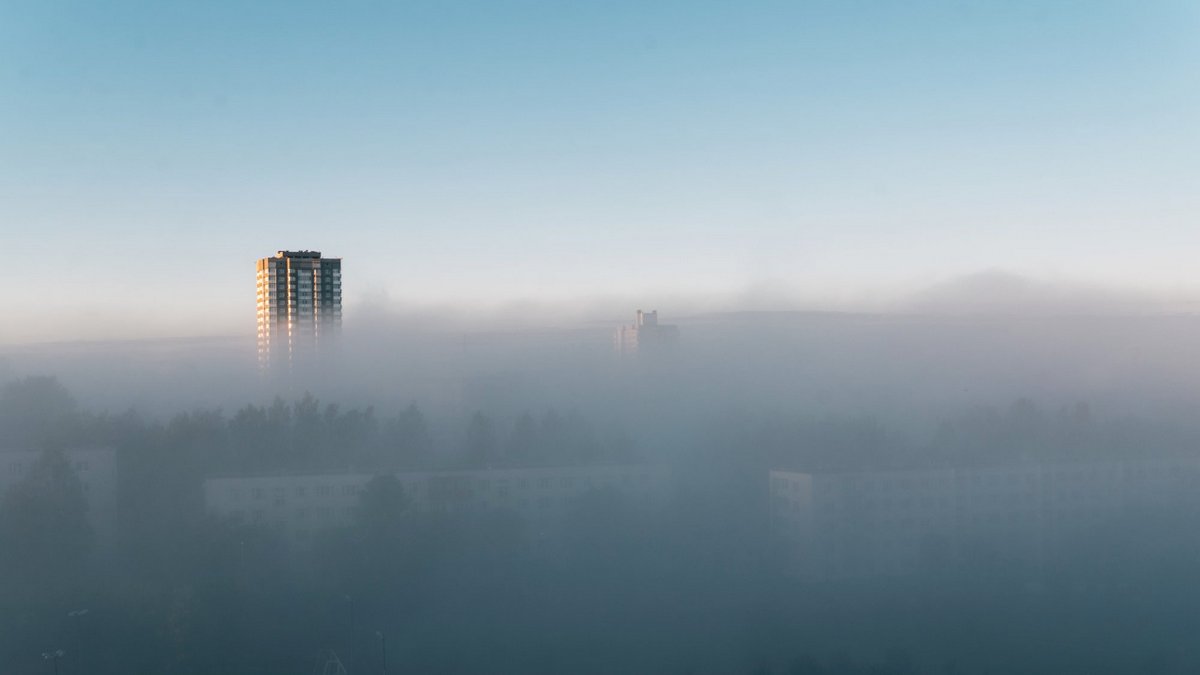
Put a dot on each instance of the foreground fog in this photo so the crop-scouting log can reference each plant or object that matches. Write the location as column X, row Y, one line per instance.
column 765, row 492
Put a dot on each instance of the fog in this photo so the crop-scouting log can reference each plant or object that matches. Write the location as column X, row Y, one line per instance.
column 681, row 338
column 912, row 359
column 991, row 475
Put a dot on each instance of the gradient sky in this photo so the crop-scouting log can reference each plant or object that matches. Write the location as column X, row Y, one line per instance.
column 481, row 152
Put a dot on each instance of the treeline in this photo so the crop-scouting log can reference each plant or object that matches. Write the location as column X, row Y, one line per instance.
column 1023, row 431
column 301, row 435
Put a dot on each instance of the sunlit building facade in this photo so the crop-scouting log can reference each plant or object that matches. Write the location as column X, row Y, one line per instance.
column 299, row 307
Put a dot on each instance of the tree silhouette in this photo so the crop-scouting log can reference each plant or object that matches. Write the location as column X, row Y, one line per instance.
column 44, row 532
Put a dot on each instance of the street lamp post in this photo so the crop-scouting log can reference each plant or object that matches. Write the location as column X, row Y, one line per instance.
column 383, row 649
column 54, row 656
column 77, row 614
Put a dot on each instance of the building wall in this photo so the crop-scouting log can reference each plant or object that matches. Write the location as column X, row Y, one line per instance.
column 646, row 334
column 878, row 523
column 299, row 305
column 303, row 505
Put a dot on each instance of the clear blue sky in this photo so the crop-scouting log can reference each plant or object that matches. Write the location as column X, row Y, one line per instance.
column 480, row 152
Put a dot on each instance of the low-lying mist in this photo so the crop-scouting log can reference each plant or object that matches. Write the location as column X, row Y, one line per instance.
column 954, row 488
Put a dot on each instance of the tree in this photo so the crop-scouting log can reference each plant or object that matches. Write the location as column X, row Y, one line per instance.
column 44, row 532
column 408, row 436
column 481, row 440
column 308, row 422
column 523, row 441
column 374, row 551
column 36, row 412
column 381, row 505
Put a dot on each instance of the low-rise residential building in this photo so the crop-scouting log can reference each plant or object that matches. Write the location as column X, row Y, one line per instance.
column 301, row 505
column 896, row 522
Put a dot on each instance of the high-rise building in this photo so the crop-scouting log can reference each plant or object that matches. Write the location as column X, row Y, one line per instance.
column 646, row 333
column 299, row 306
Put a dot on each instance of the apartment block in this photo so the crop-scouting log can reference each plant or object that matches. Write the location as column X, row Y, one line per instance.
column 299, row 297
column 301, row 505
column 857, row 524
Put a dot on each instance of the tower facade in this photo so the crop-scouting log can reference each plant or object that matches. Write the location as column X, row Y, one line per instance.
column 299, row 307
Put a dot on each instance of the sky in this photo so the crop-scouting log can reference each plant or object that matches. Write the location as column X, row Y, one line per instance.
column 478, row 154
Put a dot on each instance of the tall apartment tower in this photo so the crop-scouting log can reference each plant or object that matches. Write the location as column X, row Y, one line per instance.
column 299, row 307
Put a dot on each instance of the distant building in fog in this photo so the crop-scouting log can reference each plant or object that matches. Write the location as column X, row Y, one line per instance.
column 302, row 505
column 645, row 335
column 97, row 472
column 299, row 306
column 898, row 522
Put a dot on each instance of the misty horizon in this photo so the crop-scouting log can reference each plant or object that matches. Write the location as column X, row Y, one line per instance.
column 991, row 292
